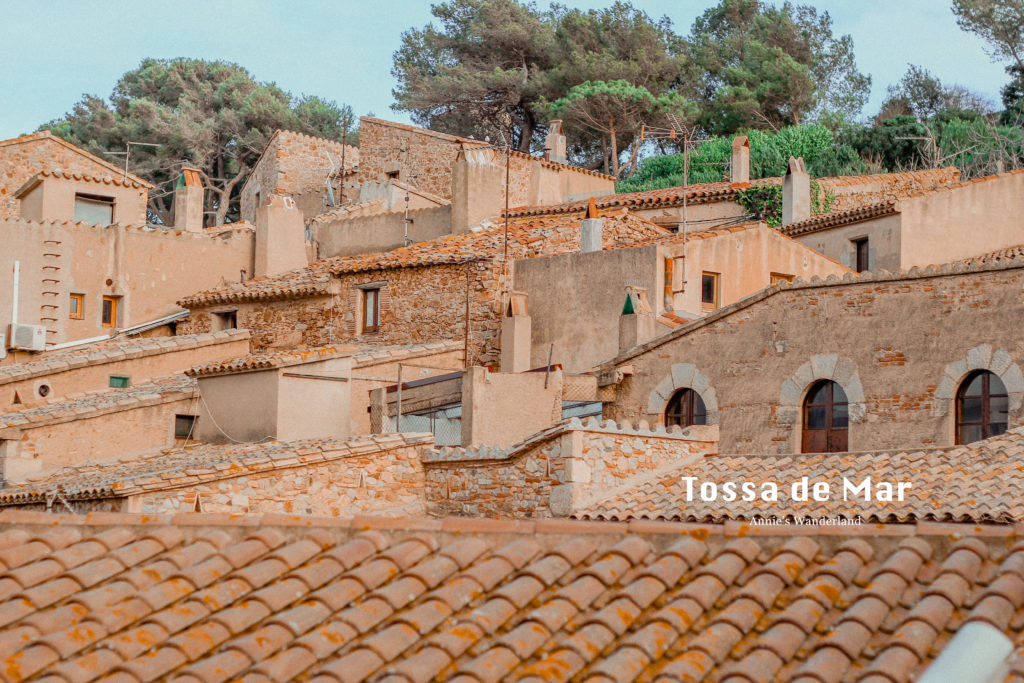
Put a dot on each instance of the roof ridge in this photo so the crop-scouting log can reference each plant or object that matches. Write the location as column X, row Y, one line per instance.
column 48, row 135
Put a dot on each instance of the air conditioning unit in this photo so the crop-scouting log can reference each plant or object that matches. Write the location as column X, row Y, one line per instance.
column 27, row 337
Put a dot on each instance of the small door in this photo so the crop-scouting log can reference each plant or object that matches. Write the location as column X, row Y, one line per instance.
column 826, row 419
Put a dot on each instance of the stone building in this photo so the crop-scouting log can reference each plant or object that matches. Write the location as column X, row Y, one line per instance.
column 874, row 362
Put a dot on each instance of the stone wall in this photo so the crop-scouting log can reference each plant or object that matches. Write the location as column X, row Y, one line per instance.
column 556, row 471
column 853, row 191
column 898, row 345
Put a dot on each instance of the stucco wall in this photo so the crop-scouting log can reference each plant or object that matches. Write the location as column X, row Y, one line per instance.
column 48, row 447
column 380, row 232
column 501, row 409
column 54, row 200
column 899, row 347
column 225, row 416
column 96, row 375
column 884, row 237
column 149, row 269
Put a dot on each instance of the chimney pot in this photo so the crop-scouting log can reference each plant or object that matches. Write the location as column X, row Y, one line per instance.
column 188, row 200
column 740, row 161
column 796, row 192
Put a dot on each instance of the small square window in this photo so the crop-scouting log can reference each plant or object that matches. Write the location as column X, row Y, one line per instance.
column 76, row 306
column 371, row 310
column 109, row 313
column 183, row 426
column 225, row 320
column 709, row 290
column 776, row 278
column 119, row 381
column 94, row 209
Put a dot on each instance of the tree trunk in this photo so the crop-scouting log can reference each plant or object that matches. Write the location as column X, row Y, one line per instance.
column 615, row 149
column 604, row 154
column 526, row 133
column 631, row 166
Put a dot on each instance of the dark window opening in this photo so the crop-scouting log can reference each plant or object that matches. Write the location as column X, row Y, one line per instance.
column 183, row 426
column 982, row 407
column 119, row 381
column 76, row 306
column 225, row 320
column 686, row 408
column 109, row 313
column 709, row 290
column 861, row 248
column 826, row 419
column 371, row 310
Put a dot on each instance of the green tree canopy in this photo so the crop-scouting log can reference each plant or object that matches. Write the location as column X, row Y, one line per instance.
column 923, row 95
column 765, row 66
column 212, row 114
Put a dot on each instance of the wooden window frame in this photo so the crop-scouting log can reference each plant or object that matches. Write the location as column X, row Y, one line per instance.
column 717, row 278
column 371, row 325
column 98, row 199
column 988, row 427
column 113, row 310
column 80, row 298
column 860, row 250
column 837, row 440
column 180, row 433
column 682, row 409
column 774, row 278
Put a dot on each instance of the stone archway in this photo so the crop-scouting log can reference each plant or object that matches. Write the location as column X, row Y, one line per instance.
column 830, row 366
column 982, row 357
column 683, row 376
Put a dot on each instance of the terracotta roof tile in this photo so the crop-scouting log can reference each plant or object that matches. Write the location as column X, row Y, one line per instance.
column 840, row 218
column 121, row 181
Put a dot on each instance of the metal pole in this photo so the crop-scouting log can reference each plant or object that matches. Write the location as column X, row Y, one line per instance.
column 547, row 371
column 344, row 143
column 398, row 413
column 686, row 191
column 465, row 343
column 508, row 156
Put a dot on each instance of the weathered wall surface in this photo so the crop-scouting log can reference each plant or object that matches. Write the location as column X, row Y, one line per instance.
column 575, row 300
column 555, row 472
column 502, row 409
column 91, row 372
column 148, row 269
column 380, row 232
column 75, row 440
column 884, row 237
column 22, row 158
column 295, row 165
column 54, row 200
column 853, row 191
column 383, row 481
column 899, row 346
column 964, row 221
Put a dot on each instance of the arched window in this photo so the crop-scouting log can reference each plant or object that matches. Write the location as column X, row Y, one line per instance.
column 982, row 407
column 826, row 419
column 686, row 408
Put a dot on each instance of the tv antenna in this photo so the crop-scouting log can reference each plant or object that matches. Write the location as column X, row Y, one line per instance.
column 128, row 152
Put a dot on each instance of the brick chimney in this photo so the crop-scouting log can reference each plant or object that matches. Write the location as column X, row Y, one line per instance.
column 740, row 175
column 591, row 229
column 515, row 335
column 796, row 192
column 636, row 324
column 188, row 201
column 554, row 143
column 280, row 237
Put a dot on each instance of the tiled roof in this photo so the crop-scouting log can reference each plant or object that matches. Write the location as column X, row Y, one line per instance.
column 527, row 237
column 373, row 354
column 972, row 265
column 980, row 482
column 702, row 193
column 210, row 598
column 164, row 469
column 270, row 359
column 100, row 402
column 67, row 175
column 359, row 210
column 998, row 256
column 112, row 351
column 839, row 218
column 47, row 135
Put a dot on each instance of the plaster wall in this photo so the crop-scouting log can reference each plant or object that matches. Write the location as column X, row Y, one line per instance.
column 53, row 199
column 103, row 437
column 899, row 347
column 310, row 408
column 380, row 232
column 240, row 407
column 884, row 235
column 490, row 399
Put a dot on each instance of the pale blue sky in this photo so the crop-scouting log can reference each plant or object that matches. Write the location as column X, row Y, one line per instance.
column 341, row 49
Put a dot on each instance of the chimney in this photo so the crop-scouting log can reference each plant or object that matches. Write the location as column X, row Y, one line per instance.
column 554, row 143
column 740, row 161
column 796, row 193
column 188, row 201
column 591, row 229
column 636, row 324
column 515, row 335
column 280, row 237
column 478, row 188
